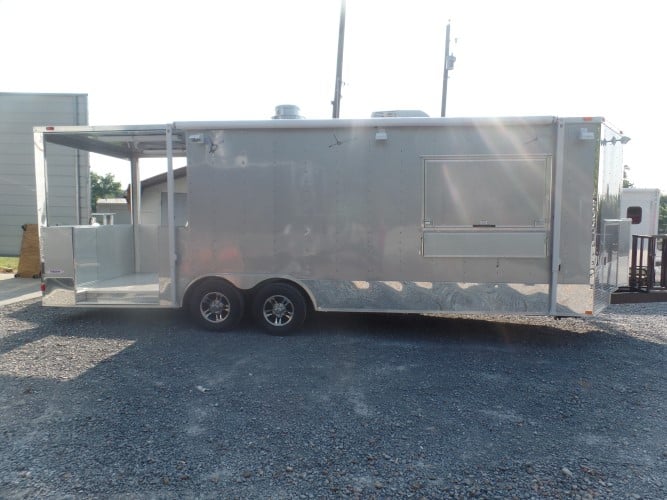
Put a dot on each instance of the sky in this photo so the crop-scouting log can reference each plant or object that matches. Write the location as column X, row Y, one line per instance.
column 160, row 61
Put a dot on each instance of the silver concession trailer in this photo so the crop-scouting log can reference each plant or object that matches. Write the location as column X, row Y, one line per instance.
column 514, row 215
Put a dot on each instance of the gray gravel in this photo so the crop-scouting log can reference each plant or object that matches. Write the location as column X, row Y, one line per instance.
column 142, row 404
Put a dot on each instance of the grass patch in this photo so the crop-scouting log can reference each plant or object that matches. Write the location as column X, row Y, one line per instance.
column 9, row 263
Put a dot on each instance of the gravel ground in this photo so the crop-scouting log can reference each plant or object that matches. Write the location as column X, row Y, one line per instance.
column 142, row 404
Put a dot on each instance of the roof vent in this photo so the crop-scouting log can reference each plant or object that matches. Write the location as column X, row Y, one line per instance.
column 399, row 113
column 287, row 112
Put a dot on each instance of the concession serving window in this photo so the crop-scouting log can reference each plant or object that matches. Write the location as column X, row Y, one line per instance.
column 486, row 206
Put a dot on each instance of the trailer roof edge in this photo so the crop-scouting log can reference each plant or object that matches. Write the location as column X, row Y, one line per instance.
column 378, row 122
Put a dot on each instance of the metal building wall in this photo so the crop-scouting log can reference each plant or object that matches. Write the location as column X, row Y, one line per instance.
column 19, row 113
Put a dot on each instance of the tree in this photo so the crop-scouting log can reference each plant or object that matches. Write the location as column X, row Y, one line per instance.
column 626, row 181
column 103, row 187
column 662, row 220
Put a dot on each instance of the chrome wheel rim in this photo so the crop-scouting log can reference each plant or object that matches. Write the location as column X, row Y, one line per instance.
column 278, row 310
column 215, row 307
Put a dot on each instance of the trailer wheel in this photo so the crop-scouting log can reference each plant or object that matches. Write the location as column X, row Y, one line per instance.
column 216, row 305
column 279, row 308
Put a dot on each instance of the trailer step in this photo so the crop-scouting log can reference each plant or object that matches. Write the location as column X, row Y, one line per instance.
column 106, row 298
column 132, row 289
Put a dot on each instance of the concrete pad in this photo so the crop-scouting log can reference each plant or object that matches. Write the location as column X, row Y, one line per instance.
column 14, row 290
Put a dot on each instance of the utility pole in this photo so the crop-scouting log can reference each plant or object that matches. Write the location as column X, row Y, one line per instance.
column 339, row 66
column 449, row 64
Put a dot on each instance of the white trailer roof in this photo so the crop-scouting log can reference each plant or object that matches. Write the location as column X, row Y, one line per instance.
column 150, row 141
column 381, row 122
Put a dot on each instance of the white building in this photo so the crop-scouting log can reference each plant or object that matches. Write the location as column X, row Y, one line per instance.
column 153, row 202
column 154, row 198
column 643, row 207
column 19, row 113
column 113, row 211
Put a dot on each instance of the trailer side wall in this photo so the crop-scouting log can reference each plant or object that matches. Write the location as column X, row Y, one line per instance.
column 444, row 218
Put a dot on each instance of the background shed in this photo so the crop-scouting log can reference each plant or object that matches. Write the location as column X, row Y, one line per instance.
column 19, row 113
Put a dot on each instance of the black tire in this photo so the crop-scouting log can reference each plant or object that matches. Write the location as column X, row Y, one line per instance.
column 279, row 308
column 216, row 305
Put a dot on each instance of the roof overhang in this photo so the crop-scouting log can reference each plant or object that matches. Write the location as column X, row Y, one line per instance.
column 126, row 142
